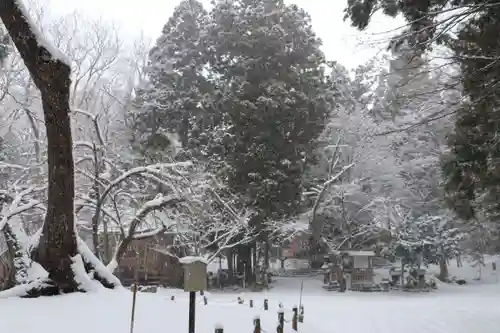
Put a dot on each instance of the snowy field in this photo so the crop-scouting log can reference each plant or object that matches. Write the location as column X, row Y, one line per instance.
column 452, row 309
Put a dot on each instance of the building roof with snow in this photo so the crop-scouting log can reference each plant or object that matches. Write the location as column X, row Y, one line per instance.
column 192, row 259
column 356, row 253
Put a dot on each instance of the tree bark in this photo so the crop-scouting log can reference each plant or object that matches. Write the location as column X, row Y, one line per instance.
column 52, row 77
column 230, row 260
column 95, row 194
column 443, row 270
column 254, row 259
column 267, row 250
column 13, row 248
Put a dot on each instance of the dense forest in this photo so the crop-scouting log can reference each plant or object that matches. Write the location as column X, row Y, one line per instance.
column 234, row 133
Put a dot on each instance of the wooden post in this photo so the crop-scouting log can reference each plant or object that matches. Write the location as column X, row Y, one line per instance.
column 251, row 303
column 294, row 319
column 205, row 300
column 281, row 321
column 134, row 294
column 256, row 323
column 266, row 305
column 301, row 315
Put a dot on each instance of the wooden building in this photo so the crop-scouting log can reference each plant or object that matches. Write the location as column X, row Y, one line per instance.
column 351, row 270
column 296, row 247
column 151, row 261
column 359, row 271
column 299, row 248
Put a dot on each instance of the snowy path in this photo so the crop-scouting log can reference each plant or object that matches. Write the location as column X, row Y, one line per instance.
column 451, row 310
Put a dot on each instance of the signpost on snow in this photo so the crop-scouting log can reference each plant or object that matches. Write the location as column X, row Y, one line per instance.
column 195, row 279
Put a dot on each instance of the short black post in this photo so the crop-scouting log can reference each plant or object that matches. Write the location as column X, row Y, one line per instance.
column 205, row 300
column 266, row 305
column 172, row 298
column 281, row 321
column 294, row 319
column 256, row 327
column 192, row 305
column 251, row 303
column 301, row 314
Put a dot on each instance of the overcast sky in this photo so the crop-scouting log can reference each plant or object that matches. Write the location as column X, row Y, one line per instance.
column 341, row 42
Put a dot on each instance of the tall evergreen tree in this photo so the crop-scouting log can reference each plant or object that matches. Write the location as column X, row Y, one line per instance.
column 274, row 95
column 245, row 89
column 472, row 165
column 174, row 100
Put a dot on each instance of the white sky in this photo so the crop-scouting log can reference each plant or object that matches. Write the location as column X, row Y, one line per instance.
column 341, row 42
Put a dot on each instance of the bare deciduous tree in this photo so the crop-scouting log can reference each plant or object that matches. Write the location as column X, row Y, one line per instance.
column 57, row 249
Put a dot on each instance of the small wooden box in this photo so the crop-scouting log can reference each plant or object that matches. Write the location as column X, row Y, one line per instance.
column 195, row 275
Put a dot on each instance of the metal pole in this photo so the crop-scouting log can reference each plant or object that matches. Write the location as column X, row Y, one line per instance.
column 134, row 293
column 301, row 290
column 192, row 304
column 132, row 317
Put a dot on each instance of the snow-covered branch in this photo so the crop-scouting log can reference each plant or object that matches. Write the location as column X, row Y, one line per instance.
column 160, row 202
column 316, row 225
column 17, row 206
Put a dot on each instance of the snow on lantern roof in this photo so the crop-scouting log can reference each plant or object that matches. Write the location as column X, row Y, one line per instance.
column 360, row 253
column 192, row 259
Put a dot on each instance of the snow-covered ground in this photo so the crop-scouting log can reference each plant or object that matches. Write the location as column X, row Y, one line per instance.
column 452, row 309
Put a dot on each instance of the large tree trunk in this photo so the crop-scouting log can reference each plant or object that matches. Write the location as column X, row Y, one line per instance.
column 267, row 250
column 230, row 260
column 245, row 263
column 58, row 241
column 14, row 251
column 52, row 77
column 443, row 270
